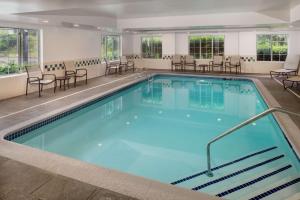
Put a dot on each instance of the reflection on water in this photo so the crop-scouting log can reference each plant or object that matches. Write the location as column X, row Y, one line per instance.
column 203, row 94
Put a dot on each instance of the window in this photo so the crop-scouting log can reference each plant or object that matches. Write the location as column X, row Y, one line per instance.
column 205, row 46
column 151, row 47
column 271, row 47
column 111, row 47
column 18, row 47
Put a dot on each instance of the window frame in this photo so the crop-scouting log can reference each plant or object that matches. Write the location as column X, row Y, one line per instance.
column 151, row 36
column 19, row 60
column 271, row 47
column 211, row 46
column 104, row 54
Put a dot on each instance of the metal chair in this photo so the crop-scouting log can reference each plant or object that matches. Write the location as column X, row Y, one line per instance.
column 189, row 61
column 111, row 66
column 76, row 73
column 127, row 64
column 176, row 62
column 217, row 62
column 36, row 77
column 234, row 62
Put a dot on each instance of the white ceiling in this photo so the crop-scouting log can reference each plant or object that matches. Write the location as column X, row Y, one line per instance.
column 120, row 9
column 138, row 8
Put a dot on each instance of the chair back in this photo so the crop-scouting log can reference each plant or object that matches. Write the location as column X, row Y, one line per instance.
column 69, row 65
column 33, row 71
column 176, row 59
column 235, row 60
column 292, row 62
column 57, row 68
column 123, row 60
column 218, row 60
column 189, row 59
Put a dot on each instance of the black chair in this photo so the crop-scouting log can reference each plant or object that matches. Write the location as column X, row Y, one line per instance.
column 76, row 73
column 36, row 77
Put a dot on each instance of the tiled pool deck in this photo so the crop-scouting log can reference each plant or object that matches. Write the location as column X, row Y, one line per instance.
column 21, row 181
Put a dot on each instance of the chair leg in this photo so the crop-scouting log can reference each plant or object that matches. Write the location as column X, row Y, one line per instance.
column 39, row 90
column 27, row 82
column 55, row 85
column 75, row 79
column 41, row 87
column 86, row 79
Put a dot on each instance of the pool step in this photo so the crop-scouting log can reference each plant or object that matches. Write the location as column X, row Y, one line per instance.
column 249, row 177
column 228, row 164
column 256, row 183
column 236, row 173
column 283, row 189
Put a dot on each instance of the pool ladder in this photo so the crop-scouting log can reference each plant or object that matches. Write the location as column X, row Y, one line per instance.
column 228, row 132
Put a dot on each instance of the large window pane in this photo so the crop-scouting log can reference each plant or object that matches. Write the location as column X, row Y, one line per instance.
column 271, row 47
column 205, row 46
column 18, row 47
column 152, row 47
column 111, row 47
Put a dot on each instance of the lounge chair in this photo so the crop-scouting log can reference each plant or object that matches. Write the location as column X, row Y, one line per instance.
column 176, row 62
column 234, row 63
column 189, row 61
column 127, row 64
column 217, row 62
column 290, row 66
column 292, row 80
column 111, row 66
column 36, row 77
column 76, row 73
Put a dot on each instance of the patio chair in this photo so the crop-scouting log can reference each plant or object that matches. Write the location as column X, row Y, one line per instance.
column 234, row 63
column 127, row 64
column 59, row 70
column 294, row 80
column 290, row 66
column 189, row 61
column 176, row 62
column 111, row 66
column 76, row 73
column 217, row 62
column 36, row 77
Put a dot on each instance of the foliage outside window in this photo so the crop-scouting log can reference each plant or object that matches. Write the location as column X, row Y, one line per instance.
column 151, row 47
column 271, row 47
column 111, row 47
column 205, row 46
column 18, row 47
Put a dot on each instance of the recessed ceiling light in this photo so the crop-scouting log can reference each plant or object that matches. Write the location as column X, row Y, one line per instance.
column 45, row 21
column 99, row 28
column 76, row 25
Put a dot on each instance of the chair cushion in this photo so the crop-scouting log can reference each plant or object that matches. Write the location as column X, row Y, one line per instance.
column 44, row 81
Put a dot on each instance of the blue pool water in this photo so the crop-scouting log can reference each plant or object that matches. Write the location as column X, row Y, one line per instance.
column 159, row 129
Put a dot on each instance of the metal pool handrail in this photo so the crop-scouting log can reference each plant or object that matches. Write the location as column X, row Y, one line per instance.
column 271, row 110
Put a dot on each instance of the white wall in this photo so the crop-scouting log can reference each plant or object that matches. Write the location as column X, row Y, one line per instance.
column 182, row 45
column 168, row 44
column 68, row 44
column 127, row 44
column 247, row 43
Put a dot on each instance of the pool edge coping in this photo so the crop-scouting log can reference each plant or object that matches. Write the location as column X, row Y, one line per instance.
column 149, row 189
